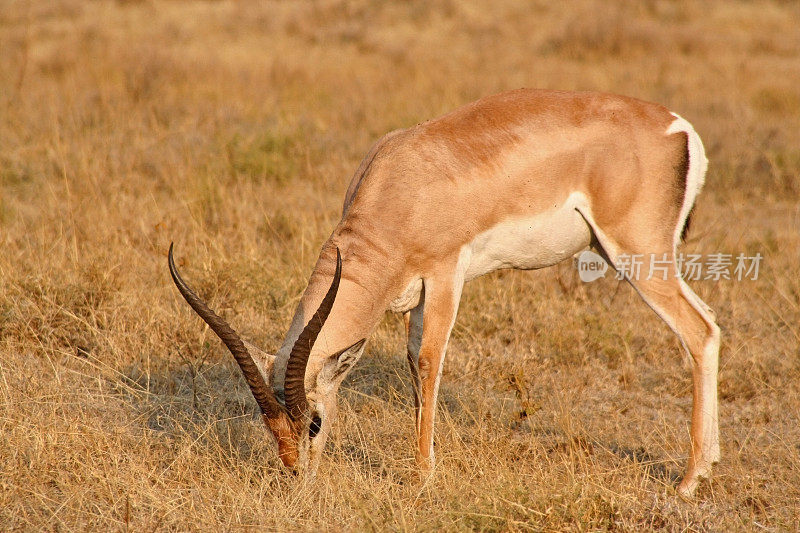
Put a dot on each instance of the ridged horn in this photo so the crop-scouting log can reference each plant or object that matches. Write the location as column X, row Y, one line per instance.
column 261, row 391
column 294, row 384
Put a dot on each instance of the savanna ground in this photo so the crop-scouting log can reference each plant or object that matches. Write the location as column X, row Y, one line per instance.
column 233, row 128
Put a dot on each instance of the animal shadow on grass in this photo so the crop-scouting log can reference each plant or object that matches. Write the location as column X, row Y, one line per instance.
column 378, row 386
column 209, row 404
column 653, row 467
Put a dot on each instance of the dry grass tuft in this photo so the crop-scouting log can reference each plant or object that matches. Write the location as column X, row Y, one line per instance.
column 232, row 128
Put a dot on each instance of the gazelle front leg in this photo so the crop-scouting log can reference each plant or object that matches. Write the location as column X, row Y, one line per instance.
column 438, row 315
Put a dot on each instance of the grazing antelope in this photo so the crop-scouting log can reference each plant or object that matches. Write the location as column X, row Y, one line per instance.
column 522, row 179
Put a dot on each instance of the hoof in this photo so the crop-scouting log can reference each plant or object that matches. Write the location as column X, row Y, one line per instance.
column 687, row 488
column 690, row 482
column 425, row 466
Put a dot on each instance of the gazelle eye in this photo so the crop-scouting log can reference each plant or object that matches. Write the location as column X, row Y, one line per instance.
column 316, row 425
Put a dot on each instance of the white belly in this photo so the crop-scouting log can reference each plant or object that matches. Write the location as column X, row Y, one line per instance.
column 526, row 243
column 529, row 243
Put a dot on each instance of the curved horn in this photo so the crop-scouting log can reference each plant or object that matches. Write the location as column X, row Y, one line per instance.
column 294, row 383
column 261, row 391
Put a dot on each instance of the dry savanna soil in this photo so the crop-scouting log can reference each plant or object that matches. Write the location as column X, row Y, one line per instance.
column 233, row 128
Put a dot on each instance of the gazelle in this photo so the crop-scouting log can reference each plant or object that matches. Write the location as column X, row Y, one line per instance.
column 522, row 179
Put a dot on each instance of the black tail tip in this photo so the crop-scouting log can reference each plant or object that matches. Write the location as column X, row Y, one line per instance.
column 687, row 225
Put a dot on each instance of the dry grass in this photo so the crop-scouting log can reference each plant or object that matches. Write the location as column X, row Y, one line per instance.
column 233, row 129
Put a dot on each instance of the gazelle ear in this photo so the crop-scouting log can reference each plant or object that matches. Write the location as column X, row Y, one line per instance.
column 340, row 363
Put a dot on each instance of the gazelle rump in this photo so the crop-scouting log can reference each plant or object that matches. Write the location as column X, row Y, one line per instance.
column 522, row 179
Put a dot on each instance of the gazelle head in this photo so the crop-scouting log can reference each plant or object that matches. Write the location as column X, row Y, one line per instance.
column 302, row 421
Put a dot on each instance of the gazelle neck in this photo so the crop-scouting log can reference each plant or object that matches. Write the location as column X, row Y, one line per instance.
column 360, row 303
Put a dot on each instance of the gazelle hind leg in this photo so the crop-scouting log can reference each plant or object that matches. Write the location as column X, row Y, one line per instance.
column 695, row 325
column 413, row 321
column 709, row 368
column 686, row 314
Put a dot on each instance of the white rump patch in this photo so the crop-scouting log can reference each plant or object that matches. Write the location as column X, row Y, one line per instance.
column 695, row 177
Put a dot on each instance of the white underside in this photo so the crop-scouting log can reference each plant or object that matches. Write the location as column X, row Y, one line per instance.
column 525, row 243
column 530, row 243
